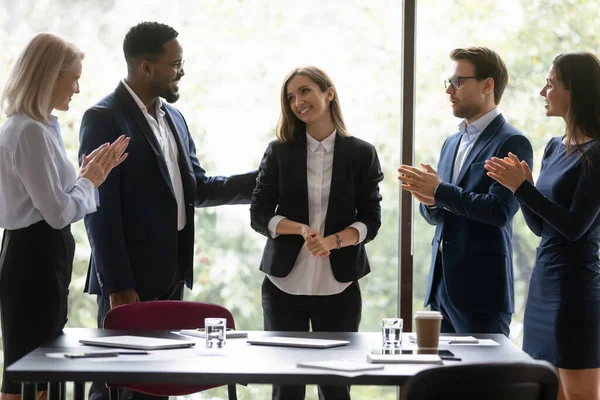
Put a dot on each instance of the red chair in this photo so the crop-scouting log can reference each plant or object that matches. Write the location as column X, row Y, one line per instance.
column 165, row 315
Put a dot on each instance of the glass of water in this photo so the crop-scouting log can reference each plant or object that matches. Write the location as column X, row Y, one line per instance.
column 391, row 331
column 215, row 328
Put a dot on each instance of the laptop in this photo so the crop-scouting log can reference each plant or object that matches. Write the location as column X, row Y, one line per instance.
column 137, row 342
column 298, row 342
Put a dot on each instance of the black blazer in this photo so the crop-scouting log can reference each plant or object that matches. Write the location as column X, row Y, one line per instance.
column 282, row 190
column 474, row 219
column 133, row 234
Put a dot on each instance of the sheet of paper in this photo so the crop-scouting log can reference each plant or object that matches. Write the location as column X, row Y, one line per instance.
column 346, row 365
column 482, row 342
column 451, row 339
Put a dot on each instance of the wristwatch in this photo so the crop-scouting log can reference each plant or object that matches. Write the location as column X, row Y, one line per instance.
column 338, row 241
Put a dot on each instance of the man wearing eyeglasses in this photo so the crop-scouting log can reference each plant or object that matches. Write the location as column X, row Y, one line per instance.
column 471, row 276
column 142, row 236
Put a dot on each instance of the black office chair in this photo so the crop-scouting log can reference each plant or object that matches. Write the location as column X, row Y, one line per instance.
column 535, row 380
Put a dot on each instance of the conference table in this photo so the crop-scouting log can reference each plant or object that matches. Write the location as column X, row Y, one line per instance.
column 236, row 362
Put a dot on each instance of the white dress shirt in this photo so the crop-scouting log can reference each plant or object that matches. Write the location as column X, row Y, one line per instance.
column 311, row 275
column 37, row 180
column 164, row 136
column 470, row 134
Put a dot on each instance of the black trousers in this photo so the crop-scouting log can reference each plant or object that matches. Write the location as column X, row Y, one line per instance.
column 336, row 313
column 98, row 390
column 35, row 272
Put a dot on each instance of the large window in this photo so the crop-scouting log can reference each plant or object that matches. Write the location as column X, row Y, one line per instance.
column 237, row 54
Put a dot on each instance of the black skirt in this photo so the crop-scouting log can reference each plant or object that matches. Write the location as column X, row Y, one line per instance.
column 35, row 271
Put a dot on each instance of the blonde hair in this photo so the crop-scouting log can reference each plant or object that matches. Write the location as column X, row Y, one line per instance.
column 288, row 122
column 31, row 81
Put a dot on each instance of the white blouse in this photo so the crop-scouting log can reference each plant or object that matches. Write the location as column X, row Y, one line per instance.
column 37, row 180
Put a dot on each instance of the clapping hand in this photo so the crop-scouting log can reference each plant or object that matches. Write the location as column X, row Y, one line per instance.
column 421, row 183
column 510, row 172
column 97, row 165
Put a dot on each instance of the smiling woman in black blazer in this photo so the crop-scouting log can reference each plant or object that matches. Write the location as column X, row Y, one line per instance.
column 317, row 200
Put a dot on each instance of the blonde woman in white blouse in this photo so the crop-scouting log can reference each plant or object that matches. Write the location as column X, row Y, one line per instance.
column 41, row 194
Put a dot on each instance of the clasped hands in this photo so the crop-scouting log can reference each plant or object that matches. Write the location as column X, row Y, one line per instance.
column 317, row 245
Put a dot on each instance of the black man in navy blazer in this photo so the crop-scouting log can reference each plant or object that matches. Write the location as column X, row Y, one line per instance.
column 142, row 235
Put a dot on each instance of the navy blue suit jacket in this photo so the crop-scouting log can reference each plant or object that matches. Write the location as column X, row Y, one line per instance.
column 133, row 234
column 474, row 220
column 282, row 189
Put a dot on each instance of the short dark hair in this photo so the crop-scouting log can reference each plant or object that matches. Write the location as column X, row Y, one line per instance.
column 146, row 39
column 488, row 64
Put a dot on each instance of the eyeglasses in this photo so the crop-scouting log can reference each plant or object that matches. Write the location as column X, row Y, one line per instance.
column 454, row 81
column 177, row 65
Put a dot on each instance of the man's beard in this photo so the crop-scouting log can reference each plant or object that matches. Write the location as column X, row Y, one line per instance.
column 467, row 111
column 170, row 96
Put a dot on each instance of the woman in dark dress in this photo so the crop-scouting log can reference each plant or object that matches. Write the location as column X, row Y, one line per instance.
column 562, row 315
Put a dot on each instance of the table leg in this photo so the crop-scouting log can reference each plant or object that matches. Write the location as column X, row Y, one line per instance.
column 54, row 391
column 231, row 392
column 78, row 390
column 28, row 391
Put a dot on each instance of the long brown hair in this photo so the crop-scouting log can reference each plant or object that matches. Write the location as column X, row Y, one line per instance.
column 579, row 72
column 288, row 122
